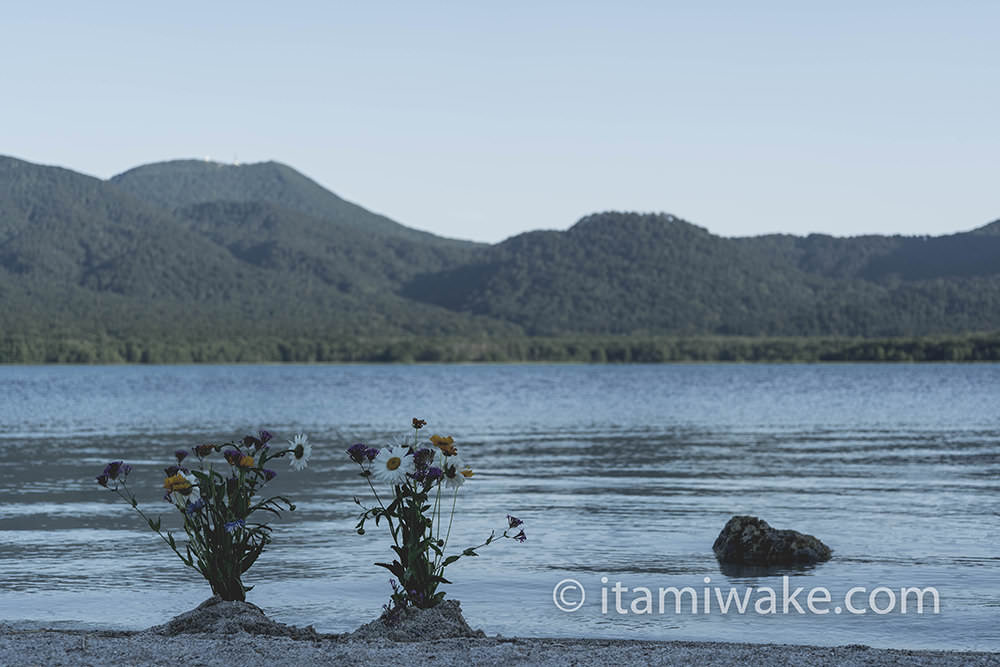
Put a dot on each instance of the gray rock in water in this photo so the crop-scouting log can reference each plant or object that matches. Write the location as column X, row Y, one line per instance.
column 748, row 540
column 443, row 621
column 222, row 618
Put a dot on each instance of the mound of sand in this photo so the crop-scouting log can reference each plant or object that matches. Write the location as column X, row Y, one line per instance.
column 219, row 618
column 445, row 621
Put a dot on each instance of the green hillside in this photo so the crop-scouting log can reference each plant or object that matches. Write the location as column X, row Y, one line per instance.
column 627, row 273
column 190, row 260
column 181, row 183
column 80, row 256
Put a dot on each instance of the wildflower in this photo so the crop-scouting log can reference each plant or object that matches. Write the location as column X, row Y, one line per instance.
column 102, row 479
column 195, row 491
column 116, row 468
column 466, row 472
column 513, row 521
column 176, row 483
column 252, row 442
column 521, row 537
column 423, row 457
column 392, row 465
column 301, row 451
column 445, row 444
column 450, row 469
column 233, row 525
column 181, row 489
column 181, row 454
column 419, row 423
column 371, row 453
column 357, row 452
column 194, row 507
column 173, row 470
column 233, row 456
column 269, row 474
column 247, row 461
column 265, row 437
column 203, row 450
column 433, row 474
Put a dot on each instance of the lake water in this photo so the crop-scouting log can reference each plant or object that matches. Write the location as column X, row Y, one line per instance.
column 619, row 472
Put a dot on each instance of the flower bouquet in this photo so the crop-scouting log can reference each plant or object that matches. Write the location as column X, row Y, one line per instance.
column 217, row 506
column 421, row 477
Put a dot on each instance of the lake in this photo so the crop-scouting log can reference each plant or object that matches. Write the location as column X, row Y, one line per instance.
column 620, row 473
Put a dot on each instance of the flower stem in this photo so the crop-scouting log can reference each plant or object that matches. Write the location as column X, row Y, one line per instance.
column 387, row 517
column 454, row 501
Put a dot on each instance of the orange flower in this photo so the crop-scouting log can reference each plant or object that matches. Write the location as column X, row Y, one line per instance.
column 247, row 461
column 445, row 444
column 467, row 473
column 176, row 483
column 419, row 423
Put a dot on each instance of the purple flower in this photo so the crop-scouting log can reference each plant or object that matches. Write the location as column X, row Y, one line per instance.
column 434, row 473
column 203, row 450
column 193, row 507
column 264, row 436
column 269, row 474
column 357, row 452
column 173, row 470
column 233, row 456
column 181, row 454
column 513, row 521
column 521, row 537
column 371, row 453
column 252, row 442
column 113, row 468
column 102, row 479
column 233, row 525
column 423, row 457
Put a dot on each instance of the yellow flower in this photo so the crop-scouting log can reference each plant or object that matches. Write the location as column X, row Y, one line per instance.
column 467, row 472
column 444, row 444
column 247, row 461
column 176, row 483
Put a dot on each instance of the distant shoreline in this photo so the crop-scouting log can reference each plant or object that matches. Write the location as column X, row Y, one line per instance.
column 102, row 349
column 79, row 647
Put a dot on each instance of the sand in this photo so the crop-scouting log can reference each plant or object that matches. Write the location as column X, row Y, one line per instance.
column 236, row 633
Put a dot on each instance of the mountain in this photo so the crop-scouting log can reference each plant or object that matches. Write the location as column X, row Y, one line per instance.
column 627, row 273
column 182, row 183
column 81, row 255
column 199, row 254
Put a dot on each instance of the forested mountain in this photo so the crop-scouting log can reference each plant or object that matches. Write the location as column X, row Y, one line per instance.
column 623, row 273
column 82, row 255
column 181, row 183
column 201, row 252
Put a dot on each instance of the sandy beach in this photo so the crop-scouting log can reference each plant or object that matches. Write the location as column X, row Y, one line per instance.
column 74, row 647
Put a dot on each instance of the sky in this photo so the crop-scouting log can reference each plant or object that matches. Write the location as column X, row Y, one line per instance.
column 485, row 120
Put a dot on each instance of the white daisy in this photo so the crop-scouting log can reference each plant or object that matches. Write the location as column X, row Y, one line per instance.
column 195, row 490
column 301, row 451
column 455, row 470
column 392, row 464
column 193, row 494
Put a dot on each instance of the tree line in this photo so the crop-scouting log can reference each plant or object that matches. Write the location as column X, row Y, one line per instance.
column 103, row 349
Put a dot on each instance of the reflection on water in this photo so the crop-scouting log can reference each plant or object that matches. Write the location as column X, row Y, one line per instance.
column 626, row 473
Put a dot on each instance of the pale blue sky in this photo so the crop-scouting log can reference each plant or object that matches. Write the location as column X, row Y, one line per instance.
column 482, row 121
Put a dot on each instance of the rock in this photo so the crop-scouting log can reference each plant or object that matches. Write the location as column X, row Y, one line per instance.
column 221, row 618
column 443, row 621
column 748, row 540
